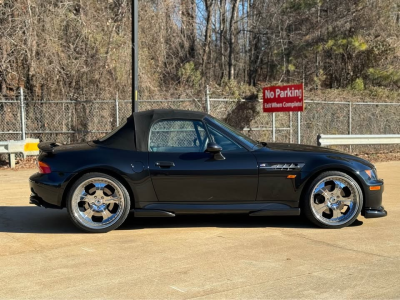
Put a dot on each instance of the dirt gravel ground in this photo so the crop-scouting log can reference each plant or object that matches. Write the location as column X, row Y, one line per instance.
column 42, row 255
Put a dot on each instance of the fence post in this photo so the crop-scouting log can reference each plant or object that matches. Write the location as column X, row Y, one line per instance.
column 350, row 117
column 208, row 99
column 75, row 126
column 117, row 110
column 350, row 120
column 273, row 128
column 299, row 128
column 23, row 129
column 291, row 127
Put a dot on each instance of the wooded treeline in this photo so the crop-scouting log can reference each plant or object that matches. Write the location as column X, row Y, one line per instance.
column 82, row 49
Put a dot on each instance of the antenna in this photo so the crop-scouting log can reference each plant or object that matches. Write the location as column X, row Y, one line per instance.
column 135, row 55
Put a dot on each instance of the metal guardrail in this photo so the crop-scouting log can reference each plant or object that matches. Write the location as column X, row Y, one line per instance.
column 378, row 139
column 27, row 147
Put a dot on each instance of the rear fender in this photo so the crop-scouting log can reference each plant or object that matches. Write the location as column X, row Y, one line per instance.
column 113, row 173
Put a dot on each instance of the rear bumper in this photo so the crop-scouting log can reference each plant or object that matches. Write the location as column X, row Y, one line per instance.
column 47, row 189
column 36, row 200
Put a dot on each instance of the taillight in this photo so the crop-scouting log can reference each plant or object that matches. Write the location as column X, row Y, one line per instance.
column 44, row 168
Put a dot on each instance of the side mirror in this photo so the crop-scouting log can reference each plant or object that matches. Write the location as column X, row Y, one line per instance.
column 213, row 148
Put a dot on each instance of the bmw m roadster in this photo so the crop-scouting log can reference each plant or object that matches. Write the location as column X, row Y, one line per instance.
column 163, row 163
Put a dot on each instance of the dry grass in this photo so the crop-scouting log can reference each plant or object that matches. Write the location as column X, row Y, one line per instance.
column 20, row 164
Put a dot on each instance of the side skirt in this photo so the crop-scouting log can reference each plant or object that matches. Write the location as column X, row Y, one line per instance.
column 168, row 210
column 148, row 213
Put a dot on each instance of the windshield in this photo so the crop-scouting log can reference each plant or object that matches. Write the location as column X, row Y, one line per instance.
column 243, row 138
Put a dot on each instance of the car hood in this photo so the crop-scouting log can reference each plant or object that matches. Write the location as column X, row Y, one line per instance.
column 315, row 150
column 301, row 148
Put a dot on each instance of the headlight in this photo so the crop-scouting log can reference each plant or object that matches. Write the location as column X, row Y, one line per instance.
column 372, row 174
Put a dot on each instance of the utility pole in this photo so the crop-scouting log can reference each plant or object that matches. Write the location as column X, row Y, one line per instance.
column 135, row 55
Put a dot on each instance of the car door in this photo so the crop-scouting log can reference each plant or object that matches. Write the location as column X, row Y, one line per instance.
column 182, row 171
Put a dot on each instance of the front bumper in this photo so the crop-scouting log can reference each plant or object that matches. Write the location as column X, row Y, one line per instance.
column 375, row 213
column 47, row 189
column 373, row 200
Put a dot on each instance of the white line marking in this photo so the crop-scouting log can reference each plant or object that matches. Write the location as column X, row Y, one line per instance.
column 175, row 288
column 87, row 249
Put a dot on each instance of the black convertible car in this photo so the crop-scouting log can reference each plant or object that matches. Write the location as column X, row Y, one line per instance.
column 163, row 163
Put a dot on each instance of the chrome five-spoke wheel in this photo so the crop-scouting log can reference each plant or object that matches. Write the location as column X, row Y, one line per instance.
column 98, row 203
column 334, row 200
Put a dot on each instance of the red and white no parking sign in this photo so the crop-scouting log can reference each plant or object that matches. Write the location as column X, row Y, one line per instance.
column 288, row 98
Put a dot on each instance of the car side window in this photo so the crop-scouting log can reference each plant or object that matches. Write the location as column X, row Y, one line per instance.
column 183, row 136
column 226, row 143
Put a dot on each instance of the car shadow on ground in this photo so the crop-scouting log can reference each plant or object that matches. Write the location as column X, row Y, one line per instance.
column 220, row 221
column 31, row 219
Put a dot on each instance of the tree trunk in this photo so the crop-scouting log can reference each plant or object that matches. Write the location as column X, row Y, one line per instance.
column 232, row 39
column 222, row 36
column 209, row 7
column 188, row 8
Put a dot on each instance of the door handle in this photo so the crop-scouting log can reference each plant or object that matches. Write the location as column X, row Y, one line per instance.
column 165, row 164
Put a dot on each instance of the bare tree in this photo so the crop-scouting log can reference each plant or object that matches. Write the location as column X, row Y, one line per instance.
column 81, row 49
column 232, row 38
column 189, row 27
column 209, row 4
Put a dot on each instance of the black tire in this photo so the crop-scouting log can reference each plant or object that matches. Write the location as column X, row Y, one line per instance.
column 320, row 217
column 75, row 207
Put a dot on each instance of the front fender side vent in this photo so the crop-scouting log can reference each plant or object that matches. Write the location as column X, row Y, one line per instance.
column 282, row 166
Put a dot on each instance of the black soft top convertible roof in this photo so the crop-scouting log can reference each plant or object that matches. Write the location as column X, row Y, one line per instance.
column 134, row 134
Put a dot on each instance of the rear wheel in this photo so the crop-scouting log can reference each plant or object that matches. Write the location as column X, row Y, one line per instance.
column 98, row 203
column 333, row 200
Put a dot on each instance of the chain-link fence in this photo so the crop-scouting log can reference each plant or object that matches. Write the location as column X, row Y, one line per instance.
column 74, row 121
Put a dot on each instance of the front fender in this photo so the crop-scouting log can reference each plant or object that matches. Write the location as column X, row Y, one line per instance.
column 353, row 167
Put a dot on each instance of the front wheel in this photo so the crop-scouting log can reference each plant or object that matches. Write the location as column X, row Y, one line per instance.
column 98, row 203
column 333, row 200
